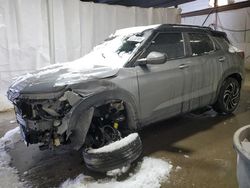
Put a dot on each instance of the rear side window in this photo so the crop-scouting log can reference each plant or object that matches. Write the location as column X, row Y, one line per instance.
column 223, row 42
column 168, row 43
column 200, row 44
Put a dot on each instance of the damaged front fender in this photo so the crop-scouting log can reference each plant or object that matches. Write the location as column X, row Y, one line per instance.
column 81, row 115
column 79, row 131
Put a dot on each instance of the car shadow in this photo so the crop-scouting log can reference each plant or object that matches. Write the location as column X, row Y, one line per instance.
column 162, row 136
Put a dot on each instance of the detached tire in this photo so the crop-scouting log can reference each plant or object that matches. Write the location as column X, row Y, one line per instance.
column 229, row 96
column 114, row 156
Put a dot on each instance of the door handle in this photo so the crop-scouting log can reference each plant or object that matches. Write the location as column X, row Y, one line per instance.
column 222, row 59
column 183, row 66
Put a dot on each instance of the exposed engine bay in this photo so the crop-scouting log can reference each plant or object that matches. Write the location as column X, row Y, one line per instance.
column 107, row 124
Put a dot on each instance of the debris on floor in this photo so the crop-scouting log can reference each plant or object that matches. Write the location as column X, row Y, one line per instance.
column 205, row 112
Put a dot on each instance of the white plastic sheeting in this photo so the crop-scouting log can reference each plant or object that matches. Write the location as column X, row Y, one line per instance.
column 78, row 26
column 233, row 20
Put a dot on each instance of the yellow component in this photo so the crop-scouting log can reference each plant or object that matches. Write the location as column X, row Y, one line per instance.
column 57, row 142
column 116, row 125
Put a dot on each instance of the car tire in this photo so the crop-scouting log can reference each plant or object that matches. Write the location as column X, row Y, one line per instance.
column 229, row 96
column 105, row 161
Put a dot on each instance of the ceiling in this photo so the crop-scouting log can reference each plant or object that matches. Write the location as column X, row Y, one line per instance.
column 143, row 3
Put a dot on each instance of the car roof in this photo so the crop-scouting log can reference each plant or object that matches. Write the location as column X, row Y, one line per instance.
column 182, row 26
column 171, row 27
column 190, row 28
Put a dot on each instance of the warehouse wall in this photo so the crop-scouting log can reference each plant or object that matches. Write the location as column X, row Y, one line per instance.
column 78, row 26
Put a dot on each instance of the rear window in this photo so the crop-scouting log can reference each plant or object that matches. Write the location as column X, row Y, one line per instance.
column 200, row 44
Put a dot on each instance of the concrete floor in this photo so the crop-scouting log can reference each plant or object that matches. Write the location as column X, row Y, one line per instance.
column 200, row 143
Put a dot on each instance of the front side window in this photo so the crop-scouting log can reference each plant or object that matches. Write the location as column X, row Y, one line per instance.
column 171, row 44
column 200, row 44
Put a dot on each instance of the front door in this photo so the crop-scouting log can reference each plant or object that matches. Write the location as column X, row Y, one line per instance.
column 161, row 86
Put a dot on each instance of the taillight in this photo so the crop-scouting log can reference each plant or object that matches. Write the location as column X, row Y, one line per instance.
column 241, row 54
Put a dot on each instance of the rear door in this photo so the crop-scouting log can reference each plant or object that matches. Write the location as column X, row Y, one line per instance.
column 161, row 86
column 202, row 72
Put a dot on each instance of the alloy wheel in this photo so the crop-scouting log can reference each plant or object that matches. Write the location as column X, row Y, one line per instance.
column 231, row 96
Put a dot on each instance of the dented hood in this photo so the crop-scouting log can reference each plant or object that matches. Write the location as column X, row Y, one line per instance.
column 56, row 77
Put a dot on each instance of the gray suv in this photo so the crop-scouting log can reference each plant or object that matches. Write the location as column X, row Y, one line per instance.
column 134, row 78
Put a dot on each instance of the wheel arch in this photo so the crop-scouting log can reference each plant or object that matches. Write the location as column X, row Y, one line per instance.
column 77, row 123
column 236, row 76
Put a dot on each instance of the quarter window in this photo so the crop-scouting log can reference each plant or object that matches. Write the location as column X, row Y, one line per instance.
column 223, row 42
column 200, row 44
column 169, row 43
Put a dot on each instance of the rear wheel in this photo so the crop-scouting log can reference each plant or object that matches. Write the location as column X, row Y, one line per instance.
column 229, row 96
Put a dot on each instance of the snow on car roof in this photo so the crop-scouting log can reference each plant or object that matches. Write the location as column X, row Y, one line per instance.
column 137, row 29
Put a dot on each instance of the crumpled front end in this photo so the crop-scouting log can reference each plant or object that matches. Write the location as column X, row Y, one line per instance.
column 44, row 120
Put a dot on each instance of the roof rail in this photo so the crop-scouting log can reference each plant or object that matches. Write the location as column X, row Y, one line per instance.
column 193, row 26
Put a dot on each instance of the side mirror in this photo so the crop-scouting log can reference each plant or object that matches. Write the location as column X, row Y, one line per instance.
column 153, row 58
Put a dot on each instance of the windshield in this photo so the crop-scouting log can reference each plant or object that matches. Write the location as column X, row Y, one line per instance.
column 116, row 50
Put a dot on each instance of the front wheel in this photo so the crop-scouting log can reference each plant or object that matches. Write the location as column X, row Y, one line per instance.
column 109, row 144
column 229, row 96
column 114, row 155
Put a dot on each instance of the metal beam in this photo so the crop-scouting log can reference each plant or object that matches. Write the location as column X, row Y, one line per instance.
column 142, row 3
column 170, row 3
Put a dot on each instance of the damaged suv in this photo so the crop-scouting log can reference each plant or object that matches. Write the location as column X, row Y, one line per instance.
column 136, row 77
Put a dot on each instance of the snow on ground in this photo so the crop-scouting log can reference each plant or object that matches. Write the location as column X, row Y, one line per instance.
column 186, row 156
column 8, row 175
column 12, row 121
column 115, row 145
column 178, row 168
column 118, row 171
column 149, row 174
column 5, row 105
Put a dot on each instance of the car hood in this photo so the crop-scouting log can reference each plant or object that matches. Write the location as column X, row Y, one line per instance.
column 56, row 77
